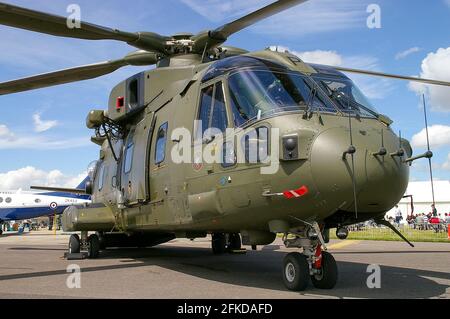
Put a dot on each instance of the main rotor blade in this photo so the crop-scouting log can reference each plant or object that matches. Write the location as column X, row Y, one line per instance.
column 76, row 74
column 209, row 39
column 254, row 17
column 392, row 76
column 27, row 19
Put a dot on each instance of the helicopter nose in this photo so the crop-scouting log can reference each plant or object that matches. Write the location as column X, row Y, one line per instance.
column 380, row 181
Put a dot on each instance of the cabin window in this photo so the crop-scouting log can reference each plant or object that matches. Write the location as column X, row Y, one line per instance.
column 161, row 141
column 212, row 113
column 129, row 151
column 256, row 145
column 101, row 177
column 228, row 155
column 8, row 200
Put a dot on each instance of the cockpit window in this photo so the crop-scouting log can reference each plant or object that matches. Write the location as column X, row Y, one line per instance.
column 238, row 63
column 346, row 95
column 259, row 93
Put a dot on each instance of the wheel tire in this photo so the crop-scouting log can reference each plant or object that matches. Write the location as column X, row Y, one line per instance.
column 219, row 243
column 329, row 276
column 93, row 247
column 74, row 244
column 295, row 272
column 235, row 242
column 102, row 240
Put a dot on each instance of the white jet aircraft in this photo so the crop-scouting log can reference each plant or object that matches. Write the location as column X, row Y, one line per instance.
column 19, row 205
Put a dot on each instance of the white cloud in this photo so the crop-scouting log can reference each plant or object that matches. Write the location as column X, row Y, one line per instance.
column 9, row 140
column 404, row 54
column 446, row 164
column 41, row 125
column 439, row 136
column 5, row 133
column 28, row 176
column 309, row 18
column 218, row 10
column 435, row 66
column 317, row 56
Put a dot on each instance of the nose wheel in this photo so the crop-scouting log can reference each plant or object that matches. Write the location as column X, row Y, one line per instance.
column 327, row 276
column 296, row 272
column 313, row 263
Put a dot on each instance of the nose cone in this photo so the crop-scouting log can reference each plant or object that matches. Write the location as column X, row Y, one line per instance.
column 381, row 181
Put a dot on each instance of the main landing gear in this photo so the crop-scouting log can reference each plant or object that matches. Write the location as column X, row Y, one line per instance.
column 312, row 264
column 91, row 244
column 223, row 242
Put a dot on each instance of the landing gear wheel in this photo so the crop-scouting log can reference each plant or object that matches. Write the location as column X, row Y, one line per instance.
column 93, row 247
column 328, row 277
column 74, row 244
column 296, row 272
column 219, row 243
column 235, row 242
column 102, row 240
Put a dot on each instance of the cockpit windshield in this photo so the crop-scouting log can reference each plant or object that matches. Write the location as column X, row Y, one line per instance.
column 259, row 93
column 346, row 95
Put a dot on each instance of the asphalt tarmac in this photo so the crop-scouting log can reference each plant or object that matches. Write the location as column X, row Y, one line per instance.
column 32, row 266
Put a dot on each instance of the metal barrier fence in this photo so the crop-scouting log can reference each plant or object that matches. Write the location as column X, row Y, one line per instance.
column 415, row 233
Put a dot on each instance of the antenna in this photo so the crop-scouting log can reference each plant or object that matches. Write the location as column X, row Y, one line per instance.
column 351, row 150
column 428, row 147
column 353, row 165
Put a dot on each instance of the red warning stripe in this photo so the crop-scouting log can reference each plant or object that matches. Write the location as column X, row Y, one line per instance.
column 302, row 191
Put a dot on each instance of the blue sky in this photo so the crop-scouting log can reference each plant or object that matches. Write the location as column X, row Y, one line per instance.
column 43, row 138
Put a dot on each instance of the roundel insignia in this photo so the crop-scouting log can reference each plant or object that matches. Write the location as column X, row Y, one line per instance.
column 53, row 205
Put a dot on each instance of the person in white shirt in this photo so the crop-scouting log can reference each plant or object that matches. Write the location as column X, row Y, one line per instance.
column 398, row 215
column 425, row 222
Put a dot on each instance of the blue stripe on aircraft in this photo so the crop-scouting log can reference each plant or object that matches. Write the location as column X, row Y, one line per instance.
column 20, row 213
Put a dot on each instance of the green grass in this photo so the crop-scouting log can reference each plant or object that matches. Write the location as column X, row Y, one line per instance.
column 385, row 234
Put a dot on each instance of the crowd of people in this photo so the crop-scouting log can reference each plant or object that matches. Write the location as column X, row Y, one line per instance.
column 421, row 221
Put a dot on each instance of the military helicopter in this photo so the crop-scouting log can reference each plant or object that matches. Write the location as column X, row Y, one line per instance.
column 298, row 148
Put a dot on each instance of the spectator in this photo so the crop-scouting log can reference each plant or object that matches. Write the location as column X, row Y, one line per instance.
column 434, row 210
column 425, row 222
column 398, row 215
column 435, row 224
column 419, row 221
column 447, row 218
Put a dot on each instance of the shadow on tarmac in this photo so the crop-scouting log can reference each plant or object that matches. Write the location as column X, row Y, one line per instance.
column 262, row 269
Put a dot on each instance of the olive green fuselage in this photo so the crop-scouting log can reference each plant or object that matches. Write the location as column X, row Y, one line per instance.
column 189, row 198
